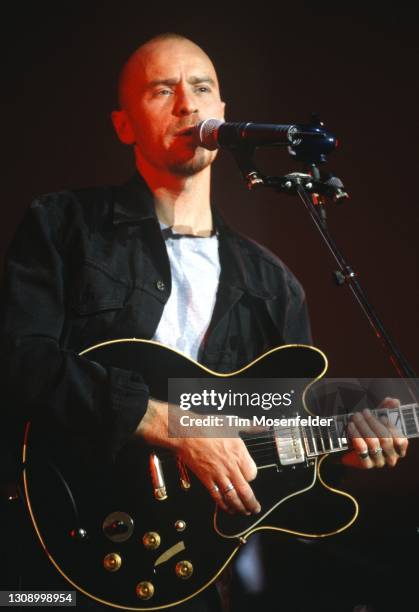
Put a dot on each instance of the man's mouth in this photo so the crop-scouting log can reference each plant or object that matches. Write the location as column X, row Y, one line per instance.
column 186, row 131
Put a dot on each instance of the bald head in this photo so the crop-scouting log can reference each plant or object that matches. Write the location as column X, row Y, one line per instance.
column 135, row 68
column 167, row 86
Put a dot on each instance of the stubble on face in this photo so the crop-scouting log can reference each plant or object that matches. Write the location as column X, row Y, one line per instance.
column 201, row 159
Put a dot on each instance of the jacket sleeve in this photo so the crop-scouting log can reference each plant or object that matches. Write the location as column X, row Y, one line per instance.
column 297, row 327
column 40, row 379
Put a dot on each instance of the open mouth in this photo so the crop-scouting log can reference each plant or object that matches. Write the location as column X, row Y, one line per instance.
column 186, row 132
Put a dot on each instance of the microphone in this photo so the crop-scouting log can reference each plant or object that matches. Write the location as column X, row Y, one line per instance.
column 215, row 133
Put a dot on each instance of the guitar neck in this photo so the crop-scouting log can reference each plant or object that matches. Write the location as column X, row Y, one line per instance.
column 320, row 440
column 291, row 445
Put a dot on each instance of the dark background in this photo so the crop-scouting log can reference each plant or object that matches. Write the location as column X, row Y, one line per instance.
column 354, row 64
column 358, row 70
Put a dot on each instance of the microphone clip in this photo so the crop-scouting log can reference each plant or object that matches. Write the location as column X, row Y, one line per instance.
column 329, row 186
column 244, row 158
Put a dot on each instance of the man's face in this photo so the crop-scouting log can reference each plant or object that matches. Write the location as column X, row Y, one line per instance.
column 171, row 86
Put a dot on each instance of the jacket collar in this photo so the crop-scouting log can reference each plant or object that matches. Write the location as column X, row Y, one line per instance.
column 133, row 202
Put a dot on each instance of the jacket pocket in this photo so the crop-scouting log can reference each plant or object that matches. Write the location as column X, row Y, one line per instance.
column 96, row 290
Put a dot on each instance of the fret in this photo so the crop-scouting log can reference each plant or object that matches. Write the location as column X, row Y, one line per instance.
column 392, row 415
column 408, row 418
column 318, row 440
column 405, row 418
column 333, row 437
column 398, row 419
column 416, row 415
column 309, row 442
column 312, row 439
column 411, row 418
column 381, row 412
column 341, row 422
column 325, row 434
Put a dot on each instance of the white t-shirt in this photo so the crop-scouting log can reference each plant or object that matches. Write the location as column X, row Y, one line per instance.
column 195, row 270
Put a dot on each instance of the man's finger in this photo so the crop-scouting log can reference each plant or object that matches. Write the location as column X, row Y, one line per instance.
column 363, row 430
column 239, row 495
column 390, row 402
column 216, row 495
column 375, row 425
column 359, row 457
column 385, row 432
column 231, row 496
column 400, row 442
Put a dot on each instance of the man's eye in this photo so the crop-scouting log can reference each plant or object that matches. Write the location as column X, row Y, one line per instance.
column 203, row 89
column 163, row 92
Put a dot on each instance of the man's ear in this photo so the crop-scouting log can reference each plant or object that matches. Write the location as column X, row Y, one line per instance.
column 122, row 126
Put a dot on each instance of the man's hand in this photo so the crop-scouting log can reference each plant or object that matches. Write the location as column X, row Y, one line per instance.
column 223, row 465
column 375, row 442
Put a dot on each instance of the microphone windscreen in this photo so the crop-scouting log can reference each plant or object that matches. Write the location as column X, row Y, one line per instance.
column 207, row 133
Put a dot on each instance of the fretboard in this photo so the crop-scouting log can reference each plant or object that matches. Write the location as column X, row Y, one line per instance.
column 321, row 440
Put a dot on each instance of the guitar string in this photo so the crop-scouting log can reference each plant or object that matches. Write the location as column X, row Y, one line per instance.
column 259, row 450
column 270, row 440
column 315, row 432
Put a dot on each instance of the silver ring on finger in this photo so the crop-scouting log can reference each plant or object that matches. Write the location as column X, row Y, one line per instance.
column 376, row 451
column 229, row 487
column 364, row 455
column 215, row 488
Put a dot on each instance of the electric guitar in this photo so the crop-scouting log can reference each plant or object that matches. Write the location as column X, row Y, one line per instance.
column 143, row 533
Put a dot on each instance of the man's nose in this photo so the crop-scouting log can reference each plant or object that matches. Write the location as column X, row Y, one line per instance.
column 186, row 103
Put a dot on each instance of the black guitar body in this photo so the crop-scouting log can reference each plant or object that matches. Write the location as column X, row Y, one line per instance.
column 93, row 517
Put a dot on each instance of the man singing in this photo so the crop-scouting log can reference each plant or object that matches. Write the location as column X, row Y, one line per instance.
column 152, row 259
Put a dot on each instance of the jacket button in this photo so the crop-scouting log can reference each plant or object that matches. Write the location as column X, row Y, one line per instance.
column 160, row 285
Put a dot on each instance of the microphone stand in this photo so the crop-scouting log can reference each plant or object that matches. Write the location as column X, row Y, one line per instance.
column 312, row 190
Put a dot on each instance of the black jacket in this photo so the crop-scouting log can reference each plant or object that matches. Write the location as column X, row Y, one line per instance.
column 91, row 265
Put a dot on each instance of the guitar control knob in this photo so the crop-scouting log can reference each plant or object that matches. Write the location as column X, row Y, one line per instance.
column 112, row 562
column 151, row 540
column 184, row 569
column 144, row 590
column 180, row 525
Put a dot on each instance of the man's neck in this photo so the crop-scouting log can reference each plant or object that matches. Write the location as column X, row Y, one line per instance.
column 182, row 202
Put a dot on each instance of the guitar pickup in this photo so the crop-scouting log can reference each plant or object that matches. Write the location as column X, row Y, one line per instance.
column 157, row 478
